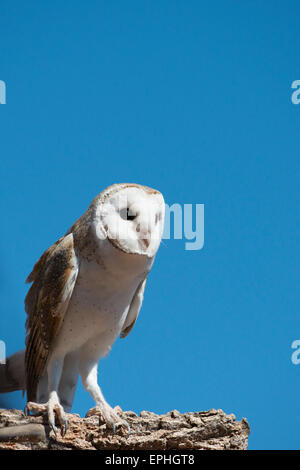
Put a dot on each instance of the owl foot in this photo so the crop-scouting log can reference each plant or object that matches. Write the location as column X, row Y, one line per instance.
column 50, row 408
column 109, row 416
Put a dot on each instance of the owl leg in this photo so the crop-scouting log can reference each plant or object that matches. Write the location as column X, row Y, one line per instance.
column 68, row 381
column 88, row 373
column 52, row 406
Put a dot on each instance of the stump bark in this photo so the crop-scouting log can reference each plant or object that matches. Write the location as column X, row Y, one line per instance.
column 211, row 430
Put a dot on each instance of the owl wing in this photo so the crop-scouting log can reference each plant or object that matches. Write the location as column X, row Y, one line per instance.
column 53, row 276
column 134, row 309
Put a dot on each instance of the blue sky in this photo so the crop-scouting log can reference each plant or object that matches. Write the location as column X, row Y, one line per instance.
column 194, row 99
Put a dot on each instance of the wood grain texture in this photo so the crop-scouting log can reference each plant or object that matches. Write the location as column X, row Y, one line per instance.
column 203, row 430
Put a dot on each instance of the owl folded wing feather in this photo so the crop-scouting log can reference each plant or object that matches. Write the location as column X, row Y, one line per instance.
column 134, row 309
column 53, row 276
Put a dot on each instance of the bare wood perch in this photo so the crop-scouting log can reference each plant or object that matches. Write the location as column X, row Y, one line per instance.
column 212, row 430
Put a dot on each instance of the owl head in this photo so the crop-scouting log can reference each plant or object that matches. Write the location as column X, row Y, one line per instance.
column 131, row 217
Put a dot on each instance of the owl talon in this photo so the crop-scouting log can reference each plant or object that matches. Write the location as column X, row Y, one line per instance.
column 111, row 425
column 64, row 427
column 128, row 427
column 53, row 428
column 37, row 408
column 50, row 409
column 118, row 425
column 109, row 417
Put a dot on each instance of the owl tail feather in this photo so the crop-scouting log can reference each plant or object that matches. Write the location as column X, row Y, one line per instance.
column 12, row 373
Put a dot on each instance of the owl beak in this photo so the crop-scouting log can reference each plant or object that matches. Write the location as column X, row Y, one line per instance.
column 144, row 236
column 146, row 241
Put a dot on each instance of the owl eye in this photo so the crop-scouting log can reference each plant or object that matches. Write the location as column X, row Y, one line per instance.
column 127, row 214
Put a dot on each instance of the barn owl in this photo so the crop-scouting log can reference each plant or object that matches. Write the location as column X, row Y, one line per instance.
column 87, row 289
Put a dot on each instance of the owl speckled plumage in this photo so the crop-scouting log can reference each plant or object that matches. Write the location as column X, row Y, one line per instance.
column 87, row 290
